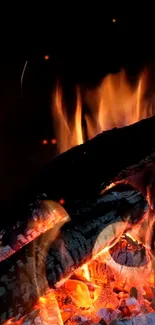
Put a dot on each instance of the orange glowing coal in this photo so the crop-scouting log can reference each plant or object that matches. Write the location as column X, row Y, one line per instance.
column 114, row 103
column 98, row 287
column 101, row 288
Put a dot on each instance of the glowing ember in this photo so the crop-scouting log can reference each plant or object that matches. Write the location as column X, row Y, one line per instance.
column 46, row 57
column 53, row 141
column 45, row 142
column 62, row 201
column 107, row 295
column 103, row 288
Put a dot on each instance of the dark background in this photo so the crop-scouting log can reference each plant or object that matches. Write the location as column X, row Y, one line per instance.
column 82, row 48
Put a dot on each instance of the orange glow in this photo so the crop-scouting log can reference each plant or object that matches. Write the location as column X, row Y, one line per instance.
column 62, row 201
column 79, row 293
column 93, row 290
column 46, row 57
column 49, row 309
column 53, row 141
column 114, row 103
column 83, row 273
column 114, row 20
column 44, row 141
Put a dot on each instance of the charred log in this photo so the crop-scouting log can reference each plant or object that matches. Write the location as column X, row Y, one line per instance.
column 83, row 171
column 23, row 277
column 79, row 239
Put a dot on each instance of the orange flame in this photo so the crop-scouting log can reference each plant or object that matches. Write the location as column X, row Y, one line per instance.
column 114, row 103
column 68, row 133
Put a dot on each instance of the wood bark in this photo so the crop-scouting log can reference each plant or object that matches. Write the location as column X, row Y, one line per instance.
column 27, row 274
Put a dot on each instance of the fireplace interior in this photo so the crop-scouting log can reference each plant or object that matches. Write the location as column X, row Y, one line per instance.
column 83, row 252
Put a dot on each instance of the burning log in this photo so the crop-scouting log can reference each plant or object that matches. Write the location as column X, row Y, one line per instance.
column 83, row 171
column 23, row 277
column 79, row 239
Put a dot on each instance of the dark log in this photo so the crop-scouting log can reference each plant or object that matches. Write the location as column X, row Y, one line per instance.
column 146, row 319
column 23, row 277
column 83, row 171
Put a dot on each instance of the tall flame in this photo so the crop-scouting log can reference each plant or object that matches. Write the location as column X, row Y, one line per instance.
column 68, row 132
column 114, row 103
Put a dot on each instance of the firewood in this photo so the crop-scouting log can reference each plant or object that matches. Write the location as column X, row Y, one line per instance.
column 83, row 171
column 28, row 273
column 46, row 215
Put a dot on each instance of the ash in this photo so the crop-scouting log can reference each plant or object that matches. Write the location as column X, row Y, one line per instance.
column 96, row 294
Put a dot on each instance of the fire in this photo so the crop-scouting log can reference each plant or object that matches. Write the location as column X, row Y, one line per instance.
column 114, row 103
column 101, row 288
column 54, row 217
column 68, row 132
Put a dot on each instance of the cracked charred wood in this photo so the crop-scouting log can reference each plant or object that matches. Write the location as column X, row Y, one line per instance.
column 82, row 239
column 27, row 274
column 145, row 319
column 83, row 171
column 49, row 213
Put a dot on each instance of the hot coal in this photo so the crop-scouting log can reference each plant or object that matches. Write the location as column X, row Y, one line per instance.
column 22, row 275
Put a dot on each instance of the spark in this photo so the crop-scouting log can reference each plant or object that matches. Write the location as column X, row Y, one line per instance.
column 62, row 201
column 44, row 142
column 22, row 76
column 53, row 141
column 46, row 57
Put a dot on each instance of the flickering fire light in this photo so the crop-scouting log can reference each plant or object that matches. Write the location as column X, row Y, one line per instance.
column 114, row 103
column 96, row 291
column 118, row 281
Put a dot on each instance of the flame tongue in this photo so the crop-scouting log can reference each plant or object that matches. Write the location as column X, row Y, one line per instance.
column 114, row 103
column 69, row 132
